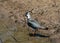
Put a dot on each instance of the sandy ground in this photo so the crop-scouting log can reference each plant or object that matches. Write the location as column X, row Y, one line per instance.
column 13, row 27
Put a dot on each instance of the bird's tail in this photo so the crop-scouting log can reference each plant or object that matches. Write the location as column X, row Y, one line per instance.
column 44, row 28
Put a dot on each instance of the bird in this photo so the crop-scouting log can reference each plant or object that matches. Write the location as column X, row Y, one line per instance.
column 33, row 23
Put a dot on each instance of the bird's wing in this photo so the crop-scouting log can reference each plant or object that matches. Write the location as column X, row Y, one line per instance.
column 36, row 24
column 33, row 21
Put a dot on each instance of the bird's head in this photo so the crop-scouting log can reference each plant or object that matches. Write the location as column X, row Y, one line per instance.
column 28, row 15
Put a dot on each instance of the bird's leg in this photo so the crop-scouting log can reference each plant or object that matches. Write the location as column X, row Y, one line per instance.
column 34, row 32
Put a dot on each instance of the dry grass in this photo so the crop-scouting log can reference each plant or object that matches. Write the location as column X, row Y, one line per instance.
column 12, row 19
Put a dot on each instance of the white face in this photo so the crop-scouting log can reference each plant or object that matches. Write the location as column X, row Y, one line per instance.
column 28, row 15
